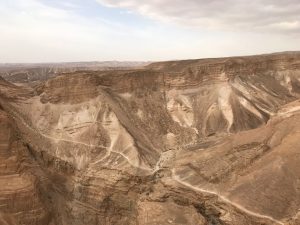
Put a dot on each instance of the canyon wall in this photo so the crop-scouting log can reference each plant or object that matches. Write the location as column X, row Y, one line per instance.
column 212, row 141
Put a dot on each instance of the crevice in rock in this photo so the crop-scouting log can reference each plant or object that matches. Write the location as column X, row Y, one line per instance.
column 211, row 216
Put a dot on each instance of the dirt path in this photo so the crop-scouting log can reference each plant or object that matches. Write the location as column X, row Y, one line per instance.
column 223, row 198
column 19, row 118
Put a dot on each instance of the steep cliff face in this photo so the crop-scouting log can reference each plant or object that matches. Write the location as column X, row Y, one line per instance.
column 210, row 141
column 20, row 199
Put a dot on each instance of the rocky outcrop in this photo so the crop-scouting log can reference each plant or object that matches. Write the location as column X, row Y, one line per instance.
column 20, row 200
column 209, row 141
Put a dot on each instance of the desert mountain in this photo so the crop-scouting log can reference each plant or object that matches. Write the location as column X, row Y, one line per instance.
column 25, row 73
column 210, row 141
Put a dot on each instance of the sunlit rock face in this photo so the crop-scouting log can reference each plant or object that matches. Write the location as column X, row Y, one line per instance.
column 212, row 141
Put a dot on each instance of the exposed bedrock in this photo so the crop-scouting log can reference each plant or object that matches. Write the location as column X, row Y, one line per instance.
column 213, row 141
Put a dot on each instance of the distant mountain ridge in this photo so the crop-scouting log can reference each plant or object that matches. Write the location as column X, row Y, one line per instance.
column 76, row 64
column 193, row 142
column 29, row 72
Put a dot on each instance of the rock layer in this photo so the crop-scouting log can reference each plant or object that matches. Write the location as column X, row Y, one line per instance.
column 211, row 141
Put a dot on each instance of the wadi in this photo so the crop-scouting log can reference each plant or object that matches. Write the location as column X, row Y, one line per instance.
column 191, row 142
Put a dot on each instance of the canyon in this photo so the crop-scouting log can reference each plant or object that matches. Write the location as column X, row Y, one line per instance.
column 204, row 141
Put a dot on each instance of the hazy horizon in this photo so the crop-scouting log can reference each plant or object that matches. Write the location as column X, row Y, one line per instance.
column 138, row 61
column 44, row 31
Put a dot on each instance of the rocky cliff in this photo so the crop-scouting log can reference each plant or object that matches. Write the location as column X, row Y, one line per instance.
column 212, row 141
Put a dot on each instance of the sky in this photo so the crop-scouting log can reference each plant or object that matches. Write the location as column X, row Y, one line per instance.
column 34, row 31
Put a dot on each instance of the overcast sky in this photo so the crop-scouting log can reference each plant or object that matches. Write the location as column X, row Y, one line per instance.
column 97, row 30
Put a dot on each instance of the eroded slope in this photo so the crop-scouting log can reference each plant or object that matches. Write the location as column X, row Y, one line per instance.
column 189, row 142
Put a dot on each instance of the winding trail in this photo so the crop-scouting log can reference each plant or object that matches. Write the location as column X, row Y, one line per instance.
column 173, row 176
column 19, row 118
column 224, row 199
